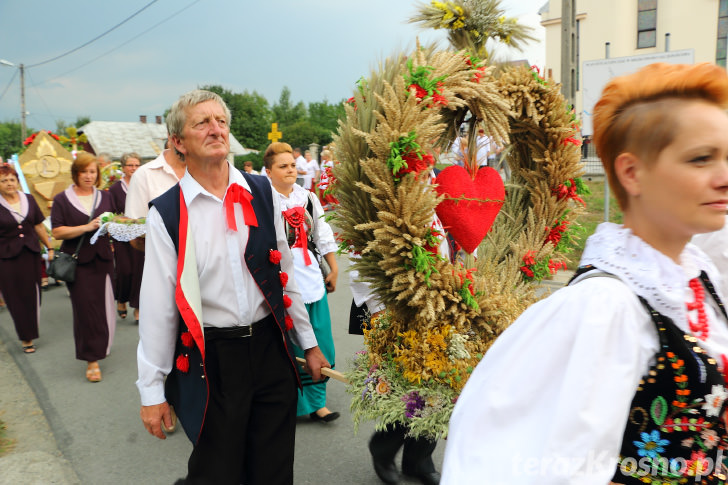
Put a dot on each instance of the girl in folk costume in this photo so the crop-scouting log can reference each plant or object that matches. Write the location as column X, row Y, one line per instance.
column 328, row 201
column 311, row 239
column 620, row 376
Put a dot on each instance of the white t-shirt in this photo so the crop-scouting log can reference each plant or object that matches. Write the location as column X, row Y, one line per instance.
column 312, row 167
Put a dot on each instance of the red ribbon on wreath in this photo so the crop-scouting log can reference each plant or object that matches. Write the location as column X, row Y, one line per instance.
column 296, row 218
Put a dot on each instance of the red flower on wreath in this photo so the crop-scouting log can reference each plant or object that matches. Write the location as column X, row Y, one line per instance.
column 528, row 262
column 527, row 271
column 275, row 256
column 556, row 232
column 416, row 163
column 432, row 239
column 420, row 92
column 467, row 280
column 568, row 190
column 528, row 258
column 554, row 267
column 474, row 62
column 572, row 140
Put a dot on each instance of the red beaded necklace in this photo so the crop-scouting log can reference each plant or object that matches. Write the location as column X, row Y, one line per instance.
column 700, row 329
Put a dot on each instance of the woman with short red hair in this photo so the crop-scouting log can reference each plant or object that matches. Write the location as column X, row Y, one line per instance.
column 621, row 376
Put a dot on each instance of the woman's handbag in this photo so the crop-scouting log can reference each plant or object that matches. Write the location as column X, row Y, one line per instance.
column 63, row 266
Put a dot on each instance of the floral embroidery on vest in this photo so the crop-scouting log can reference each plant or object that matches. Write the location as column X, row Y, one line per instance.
column 676, row 433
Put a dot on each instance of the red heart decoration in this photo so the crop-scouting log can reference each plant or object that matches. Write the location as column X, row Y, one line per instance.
column 470, row 206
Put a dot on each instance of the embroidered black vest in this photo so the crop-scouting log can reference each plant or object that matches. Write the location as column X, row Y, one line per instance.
column 676, row 431
column 187, row 391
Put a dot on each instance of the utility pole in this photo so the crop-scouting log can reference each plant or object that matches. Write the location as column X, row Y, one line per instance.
column 568, row 50
column 21, row 67
column 22, row 101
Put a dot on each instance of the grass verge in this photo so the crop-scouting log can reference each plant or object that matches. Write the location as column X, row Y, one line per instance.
column 592, row 217
column 6, row 444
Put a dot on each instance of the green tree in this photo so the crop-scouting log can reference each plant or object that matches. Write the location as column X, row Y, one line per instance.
column 61, row 125
column 303, row 132
column 10, row 139
column 285, row 113
column 326, row 115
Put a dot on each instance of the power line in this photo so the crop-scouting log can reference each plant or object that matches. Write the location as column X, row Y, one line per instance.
column 9, row 84
column 95, row 38
column 37, row 93
column 120, row 45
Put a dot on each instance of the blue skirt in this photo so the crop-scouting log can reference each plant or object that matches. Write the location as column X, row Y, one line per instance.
column 314, row 393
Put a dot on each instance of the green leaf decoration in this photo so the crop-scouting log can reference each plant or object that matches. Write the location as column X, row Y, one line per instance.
column 658, row 410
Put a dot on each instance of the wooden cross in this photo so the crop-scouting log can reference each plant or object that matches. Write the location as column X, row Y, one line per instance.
column 274, row 134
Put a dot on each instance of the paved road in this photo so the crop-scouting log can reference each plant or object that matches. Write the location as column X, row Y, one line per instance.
column 97, row 426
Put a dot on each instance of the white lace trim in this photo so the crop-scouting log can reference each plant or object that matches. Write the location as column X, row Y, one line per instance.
column 645, row 270
column 120, row 232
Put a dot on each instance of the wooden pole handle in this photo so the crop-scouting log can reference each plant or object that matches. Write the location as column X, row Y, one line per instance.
column 334, row 374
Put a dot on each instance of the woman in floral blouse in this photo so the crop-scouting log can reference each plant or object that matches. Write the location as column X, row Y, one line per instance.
column 620, row 376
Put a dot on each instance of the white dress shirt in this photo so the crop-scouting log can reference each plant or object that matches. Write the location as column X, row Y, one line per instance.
column 149, row 182
column 229, row 295
column 549, row 401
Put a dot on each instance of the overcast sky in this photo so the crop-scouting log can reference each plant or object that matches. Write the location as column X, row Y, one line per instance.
column 318, row 48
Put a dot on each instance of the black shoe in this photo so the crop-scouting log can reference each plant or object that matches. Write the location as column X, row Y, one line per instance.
column 428, row 478
column 333, row 416
column 385, row 470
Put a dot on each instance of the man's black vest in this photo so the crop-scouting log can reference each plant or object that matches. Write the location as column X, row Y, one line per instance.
column 188, row 391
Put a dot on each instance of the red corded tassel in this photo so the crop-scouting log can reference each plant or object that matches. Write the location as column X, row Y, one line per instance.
column 289, row 322
column 287, row 302
column 187, row 339
column 183, row 363
column 274, row 256
column 284, row 278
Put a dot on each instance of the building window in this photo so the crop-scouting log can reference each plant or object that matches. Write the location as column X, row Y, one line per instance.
column 722, row 46
column 646, row 23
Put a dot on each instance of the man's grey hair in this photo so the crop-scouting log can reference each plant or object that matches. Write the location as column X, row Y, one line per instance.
column 177, row 117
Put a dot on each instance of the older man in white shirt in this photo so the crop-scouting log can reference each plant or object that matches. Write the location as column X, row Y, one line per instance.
column 214, row 316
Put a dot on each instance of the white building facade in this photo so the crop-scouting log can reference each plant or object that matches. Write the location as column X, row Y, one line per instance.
column 636, row 27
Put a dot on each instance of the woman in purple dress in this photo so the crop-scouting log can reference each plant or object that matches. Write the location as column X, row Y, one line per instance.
column 21, row 225
column 128, row 261
column 92, row 295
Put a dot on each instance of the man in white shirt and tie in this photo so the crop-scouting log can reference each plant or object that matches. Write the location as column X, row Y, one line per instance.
column 219, row 310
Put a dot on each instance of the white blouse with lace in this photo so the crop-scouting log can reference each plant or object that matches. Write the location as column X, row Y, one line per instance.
column 308, row 277
column 549, row 401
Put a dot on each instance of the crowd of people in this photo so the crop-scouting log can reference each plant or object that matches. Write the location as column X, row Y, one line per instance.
column 594, row 384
